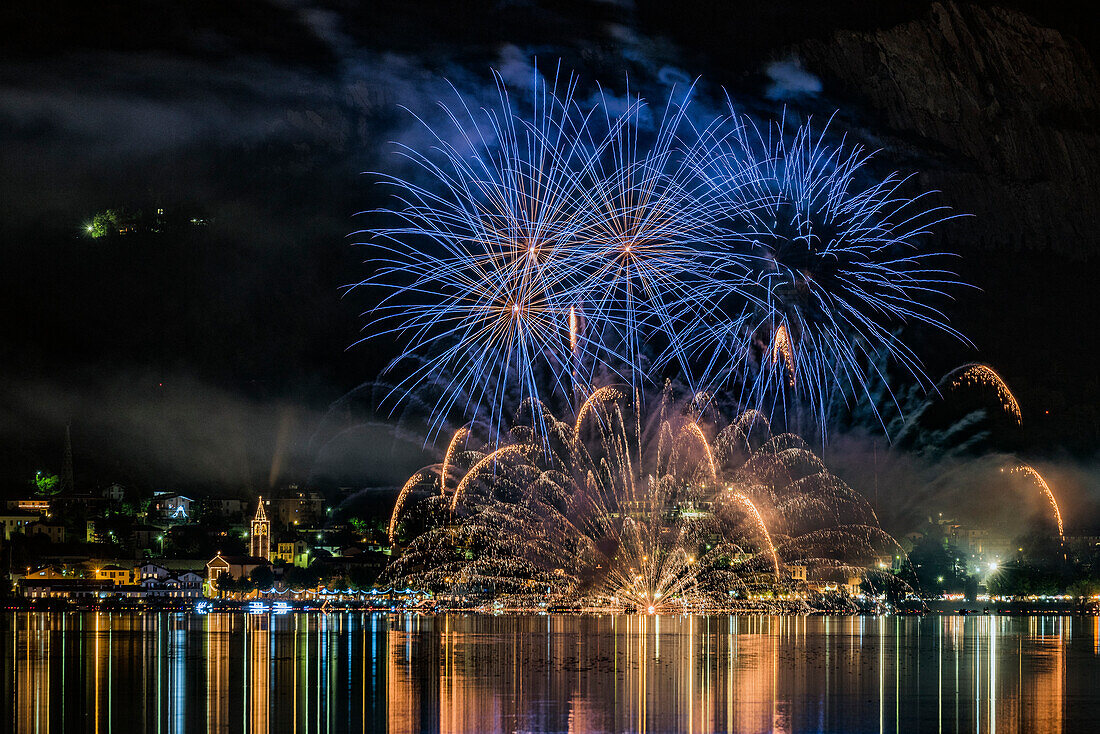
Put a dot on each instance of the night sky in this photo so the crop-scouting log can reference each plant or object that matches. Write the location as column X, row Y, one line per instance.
column 196, row 355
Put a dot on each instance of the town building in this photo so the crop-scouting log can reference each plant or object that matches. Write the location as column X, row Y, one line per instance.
column 48, row 573
column 114, row 582
column 15, row 521
column 116, row 574
column 115, row 492
column 301, row 508
column 172, row 588
column 68, row 588
column 55, row 532
column 152, row 571
column 293, row 553
column 172, row 507
column 235, row 566
column 30, row 504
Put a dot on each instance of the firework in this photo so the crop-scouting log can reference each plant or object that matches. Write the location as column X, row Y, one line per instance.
column 740, row 497
column 984, row 376
column 1035, row 476
column 542, row 246
column 600, row 394
column 648, row 217
column 460, row 435
column 782, row 349
column 402, row 496
column 488, row 462
column 816, row 263
column 480, row 266
column 575, row 520
column 693, row 429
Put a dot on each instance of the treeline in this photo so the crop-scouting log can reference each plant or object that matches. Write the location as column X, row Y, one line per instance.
column 296, row 578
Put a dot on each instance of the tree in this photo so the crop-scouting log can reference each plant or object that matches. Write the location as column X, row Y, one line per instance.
column 935, row 564
column 225, row 583
column 262, row 577
column 105, row 223
column 47, row 485
column 301, row 578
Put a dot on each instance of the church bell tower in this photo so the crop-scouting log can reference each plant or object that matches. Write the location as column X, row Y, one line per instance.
column 261, row 533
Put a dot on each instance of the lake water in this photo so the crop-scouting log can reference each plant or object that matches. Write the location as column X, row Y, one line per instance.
column 131, row 672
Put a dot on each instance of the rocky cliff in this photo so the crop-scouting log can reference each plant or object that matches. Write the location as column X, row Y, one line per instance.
column 1003, row 111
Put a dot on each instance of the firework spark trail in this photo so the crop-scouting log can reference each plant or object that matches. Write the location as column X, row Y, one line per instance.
column 747, row 421
column 982, row 375
column 481, row 271
column 741, row 498
column 694, row 429
column 489, row 460
column 460, row 435
column 598, row 395
column 574, row 352
column 414, row 480
column 649, row 214
column 783, row 349
column 1030, row 471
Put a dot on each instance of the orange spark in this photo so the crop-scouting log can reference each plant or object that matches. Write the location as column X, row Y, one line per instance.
column 740, row 497
column 413, row 481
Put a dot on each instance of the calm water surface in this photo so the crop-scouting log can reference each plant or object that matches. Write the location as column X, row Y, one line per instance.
column 376, row 673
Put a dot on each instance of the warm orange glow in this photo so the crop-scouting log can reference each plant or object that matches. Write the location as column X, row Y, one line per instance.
column 694, row 429
column 782, row 347
column 460, row 435
column 603, row 394
column 740, row 497
column 1045, row 489
column 982, row 375
column 573, row 331
column 476, row 469
column 413, row 481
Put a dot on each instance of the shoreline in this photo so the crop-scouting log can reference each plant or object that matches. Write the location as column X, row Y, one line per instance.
column 202, row 608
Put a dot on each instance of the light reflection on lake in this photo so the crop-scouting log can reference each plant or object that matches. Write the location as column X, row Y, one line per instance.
column 111, row 672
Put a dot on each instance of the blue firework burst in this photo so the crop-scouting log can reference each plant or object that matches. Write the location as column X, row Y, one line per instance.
column 535, row 248
column 822, row 265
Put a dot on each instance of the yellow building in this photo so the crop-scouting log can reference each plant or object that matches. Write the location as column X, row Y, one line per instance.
column 295, row 553
column 121, row 576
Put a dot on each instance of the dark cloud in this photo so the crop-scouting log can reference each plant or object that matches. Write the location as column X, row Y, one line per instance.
column 790, row 81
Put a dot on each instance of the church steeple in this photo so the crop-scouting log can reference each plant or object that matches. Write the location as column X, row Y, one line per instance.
column 261, row 533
